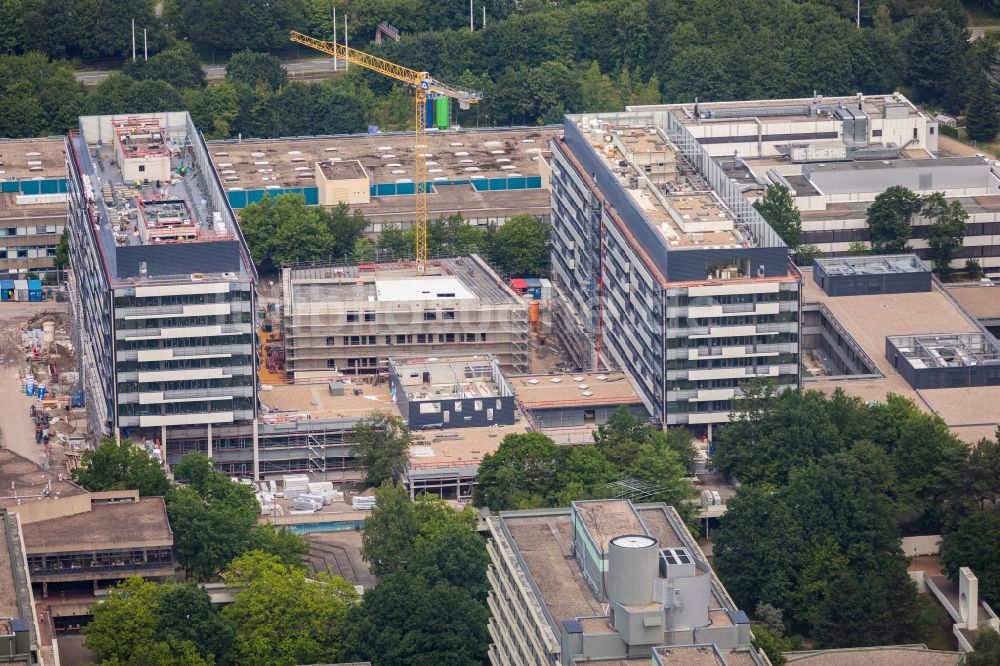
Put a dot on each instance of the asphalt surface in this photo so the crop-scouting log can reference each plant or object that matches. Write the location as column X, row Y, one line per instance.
column 314, row 68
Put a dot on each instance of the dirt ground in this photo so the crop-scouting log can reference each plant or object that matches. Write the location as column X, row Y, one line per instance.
column 17, row 430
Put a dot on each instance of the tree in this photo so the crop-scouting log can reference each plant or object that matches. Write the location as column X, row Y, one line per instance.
column 390, row 530
column 282, row 617
column 308, row 109
column 982, row 121
column 121, row 465
column 167, row 624
column 805, row 254
column 933, row 49
column 380, row 444
column 435, row 516
column 519, row 474
column 889, row 219
column 599, row 93
column 976, row 544
column 256, row 69
column 778, row 208
column 857, row 249
column 178, row 65
column 973, row 269
column 456, row 556
column 946, row 232
column 61, row 260
column 281, row 542
column 233, row 25
column 405, row 620
column 986, row 648
column 212, row 518
column 520, row 246
column 771, row 643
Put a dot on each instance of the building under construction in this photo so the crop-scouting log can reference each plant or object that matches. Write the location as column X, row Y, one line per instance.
column 349, row 320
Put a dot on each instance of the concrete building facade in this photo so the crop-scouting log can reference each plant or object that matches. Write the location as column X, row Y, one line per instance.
column 349, row 320
column 670, row 275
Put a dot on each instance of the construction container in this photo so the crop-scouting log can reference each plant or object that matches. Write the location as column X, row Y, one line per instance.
column 441, row 113
column 336, row 388
column 7, row 290
column 429, row 113
column 533, row 314
column 35, row 290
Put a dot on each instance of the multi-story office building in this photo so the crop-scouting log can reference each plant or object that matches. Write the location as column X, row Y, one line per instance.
column 32, row 205
column 836, row 154
column 162, row 283
column 662, row 268
column 606, row 581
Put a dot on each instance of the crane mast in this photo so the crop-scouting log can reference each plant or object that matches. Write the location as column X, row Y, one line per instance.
column 423, row 85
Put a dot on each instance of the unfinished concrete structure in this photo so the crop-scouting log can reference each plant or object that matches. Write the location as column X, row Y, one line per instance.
column 349, row 320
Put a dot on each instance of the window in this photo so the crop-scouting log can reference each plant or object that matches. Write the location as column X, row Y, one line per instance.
column 447, row 314
column 482, row 337
column 22, row 253
column 369, row 316
column 425, row 338
column 430, row 315
column 142, row 167
column 876, row 133
column 931, row 129
column 352, row 317
column 329, row 341
column 478, row 405
column 330, row 363
column 446, row 337
column 403, row 339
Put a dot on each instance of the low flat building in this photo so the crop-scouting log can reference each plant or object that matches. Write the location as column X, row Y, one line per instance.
column 485, row 175
column 32, row 205
column 610, row 582
column 890, row 655
column 451, row 392
column 569, row 407
column 349, row 320
column 445, row 462
column 72, row 536
column 846, row 342
column 18, row 630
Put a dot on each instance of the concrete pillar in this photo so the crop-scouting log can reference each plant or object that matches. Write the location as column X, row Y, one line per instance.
column 163, row 445
column 118, row 435
column 209, row 452
column 256, row 453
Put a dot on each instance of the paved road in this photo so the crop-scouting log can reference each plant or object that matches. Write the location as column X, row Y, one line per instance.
column 316, row 68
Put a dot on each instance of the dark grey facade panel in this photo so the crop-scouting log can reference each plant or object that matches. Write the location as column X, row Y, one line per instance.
column 179, row 259
column 938, row 378
column 860, row 285
column 690, row 265
column 753, row 138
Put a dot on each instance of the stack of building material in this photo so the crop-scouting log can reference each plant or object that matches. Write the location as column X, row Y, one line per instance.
column 319, row 498
column 363, row 502
column 306, row 503
column 322, row 489
column 295, row 485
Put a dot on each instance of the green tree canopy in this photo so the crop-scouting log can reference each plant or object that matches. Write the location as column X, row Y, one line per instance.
column 889, row 219
column 520, row 246
column 985, row 648
column 946, row 232
column 121, row 465
column 178, row 65
column 390, row 530
column 406, row 620
column 519, row 474
column 934, row 50
column 976, row 544
column 380, row 443
column 778, row 208
column 282, row 617
column 982, row 120
column 256, row 69
column 456, row 556
column 62, row 250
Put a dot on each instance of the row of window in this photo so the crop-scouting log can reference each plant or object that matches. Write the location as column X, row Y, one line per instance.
column 683, row 300
column 28, row 253
column 701, row 364
column 180, row 299
column 429, row 315
column 779, row 318
column 182, row 343
column 725, row 382
column 37, row 230
column 221, row 382
column 171, row 322
column 184, row 364
column 733, row 341
column 201, row 407
column 419, row 338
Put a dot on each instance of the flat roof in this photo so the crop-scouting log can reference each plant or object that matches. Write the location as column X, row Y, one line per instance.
column 607, row 519
column 896, row 655
column 27, row 159
column 23, row 480
column 873, row 265
column 349, row 169
column 947, row 350
column 314, row 401
column 10, row 208
column 316, row 288
column 557, row 390
column 448, row 377
column 8, row 587
column 429, row 288
column 870, row 319
column 797, row 108
column 386, row 157
column 983, row 302
column 879, row 165
column 460, row 447
column 106, row 526
column 689, row 655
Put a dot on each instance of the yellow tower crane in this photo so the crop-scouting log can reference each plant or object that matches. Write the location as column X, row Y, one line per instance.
column 423, row 85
